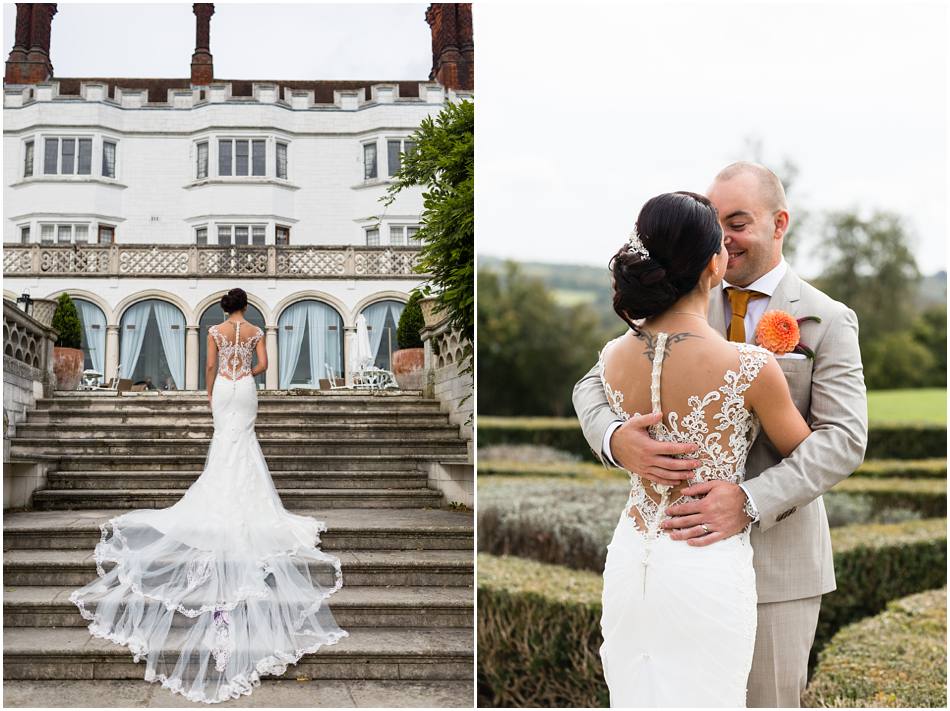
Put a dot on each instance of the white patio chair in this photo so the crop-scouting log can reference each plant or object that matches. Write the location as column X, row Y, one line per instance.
column 331, row 376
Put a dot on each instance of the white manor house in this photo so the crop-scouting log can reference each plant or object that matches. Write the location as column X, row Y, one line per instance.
column 146, row 200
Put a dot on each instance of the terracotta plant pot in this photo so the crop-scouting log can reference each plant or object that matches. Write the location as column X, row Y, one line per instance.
column 408, row 367
column 67, row 367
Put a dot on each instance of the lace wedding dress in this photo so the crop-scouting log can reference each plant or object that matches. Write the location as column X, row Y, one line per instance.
column 225, row 585
column 679, row 621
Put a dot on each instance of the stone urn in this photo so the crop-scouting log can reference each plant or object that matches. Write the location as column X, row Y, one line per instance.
column 408, row 368
column 432, row 315
column 42, row 310
column 67, row 367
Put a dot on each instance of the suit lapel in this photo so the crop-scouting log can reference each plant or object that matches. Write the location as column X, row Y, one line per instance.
column 787, row 294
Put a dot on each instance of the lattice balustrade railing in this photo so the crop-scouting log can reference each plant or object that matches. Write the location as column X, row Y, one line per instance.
column 155, row 260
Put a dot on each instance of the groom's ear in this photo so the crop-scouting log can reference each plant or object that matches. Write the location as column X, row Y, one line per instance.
column 780, row 223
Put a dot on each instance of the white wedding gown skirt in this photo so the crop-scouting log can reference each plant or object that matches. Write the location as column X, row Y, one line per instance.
column 223, row 586
column 686, row 637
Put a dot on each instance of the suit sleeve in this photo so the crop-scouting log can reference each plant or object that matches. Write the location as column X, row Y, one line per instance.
column 838, row 417
column 593, row 412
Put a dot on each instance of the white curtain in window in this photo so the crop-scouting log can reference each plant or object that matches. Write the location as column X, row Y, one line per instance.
column 324, row 346
column 131, row 340
column 91, row 315
column 376, row 319
column 290, row 342
column 173, row 339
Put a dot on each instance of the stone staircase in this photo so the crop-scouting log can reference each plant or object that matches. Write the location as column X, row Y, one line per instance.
column 353, row 460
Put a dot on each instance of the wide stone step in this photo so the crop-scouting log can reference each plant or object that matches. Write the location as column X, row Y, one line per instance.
column 24, row 446
column 282, row 480
column 288, row 691
column 273, row 421
column 347, row 529
column 275, row 462
column 352, row 606
column 370, row 568
column 71, row 499
column 377, row 653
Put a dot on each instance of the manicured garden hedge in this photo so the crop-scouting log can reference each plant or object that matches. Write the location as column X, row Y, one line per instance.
column 926, row 496
column 885, row 441
column 903, row 469
column 895, row 659
column 538, row 624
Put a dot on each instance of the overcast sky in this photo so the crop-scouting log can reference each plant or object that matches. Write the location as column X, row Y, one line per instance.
column 248, row 41
column 595, row 109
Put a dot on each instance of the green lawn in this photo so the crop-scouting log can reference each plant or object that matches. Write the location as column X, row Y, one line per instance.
column 923, row 405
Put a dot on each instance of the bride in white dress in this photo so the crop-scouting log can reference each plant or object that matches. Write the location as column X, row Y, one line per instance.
column 679, row 620
column 225, row 585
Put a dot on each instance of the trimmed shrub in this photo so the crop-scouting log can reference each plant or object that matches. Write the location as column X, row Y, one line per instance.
column 411, row 323
column 885, row 441
column 903, row 468
column 539, row 624
column 538, row 635
column 66, row 323
column 928, row 497
column 895, row 659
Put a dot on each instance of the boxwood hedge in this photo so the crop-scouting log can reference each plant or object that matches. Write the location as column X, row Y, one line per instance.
column 539, row 624
column 885, row 441
column 895, row 659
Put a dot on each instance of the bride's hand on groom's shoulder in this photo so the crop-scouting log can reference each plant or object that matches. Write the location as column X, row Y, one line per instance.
column 634, row 450
column 721, row 508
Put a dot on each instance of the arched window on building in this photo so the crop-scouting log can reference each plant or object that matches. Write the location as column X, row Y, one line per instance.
column 92, row 323
column 212, row 315
column 382, row 320
column 152, row 345
column 310, row 339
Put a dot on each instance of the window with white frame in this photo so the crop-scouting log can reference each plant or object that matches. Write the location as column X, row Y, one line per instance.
column 241, row 157
column 28, row 159
column 242, row 234
column 369, row 161
column 282, row 160
column 67, row 156
column 403, row 235
column 108, row 159
column 61, row 233
column 201, row 169
column 25, row 234
column 395, row 147
column 281, row 235
column 372, row 236
column 201, row 235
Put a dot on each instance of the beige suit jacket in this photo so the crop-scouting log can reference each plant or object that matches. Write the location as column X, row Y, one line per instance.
column 792, row 543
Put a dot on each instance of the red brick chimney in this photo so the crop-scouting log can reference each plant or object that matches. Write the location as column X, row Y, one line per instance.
column 29, row 61
column 202, row 67
column 453, row 51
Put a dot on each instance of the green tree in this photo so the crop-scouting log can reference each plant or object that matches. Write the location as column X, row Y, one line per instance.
column 870, row 267
column 531, row 351
column 897, row 361
column 929, row 330
column 443, row 164
column 411, row 323
column 66, row 323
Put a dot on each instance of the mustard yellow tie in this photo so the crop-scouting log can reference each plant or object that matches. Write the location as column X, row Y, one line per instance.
column 739, row 301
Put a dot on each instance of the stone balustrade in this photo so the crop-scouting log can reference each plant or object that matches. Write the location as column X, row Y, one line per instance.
column 247, row 261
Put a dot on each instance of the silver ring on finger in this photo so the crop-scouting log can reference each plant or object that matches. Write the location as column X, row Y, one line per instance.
column 705, row 528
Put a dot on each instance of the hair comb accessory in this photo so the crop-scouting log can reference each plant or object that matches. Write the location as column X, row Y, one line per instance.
column 636, row 245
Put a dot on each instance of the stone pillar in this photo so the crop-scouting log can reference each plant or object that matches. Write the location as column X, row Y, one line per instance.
column 112, row 353
column 191, row 358
column 29, row 61
column 202, row 67
column 349, row 347
column 270, row 375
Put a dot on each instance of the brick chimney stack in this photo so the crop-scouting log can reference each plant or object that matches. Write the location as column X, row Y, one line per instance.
column 453, row 50
column 202, row 67
column 29, row 61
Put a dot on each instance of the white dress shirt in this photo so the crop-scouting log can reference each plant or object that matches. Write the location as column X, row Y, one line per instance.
column 766, row 284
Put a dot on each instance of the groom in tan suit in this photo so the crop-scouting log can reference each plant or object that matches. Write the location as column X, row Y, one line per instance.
column 790, row 536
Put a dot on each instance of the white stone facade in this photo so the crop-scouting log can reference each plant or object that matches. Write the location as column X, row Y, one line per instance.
column 154, row 188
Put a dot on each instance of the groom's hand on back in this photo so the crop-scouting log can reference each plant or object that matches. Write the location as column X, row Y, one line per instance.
column 633, row 449
column 721, row 508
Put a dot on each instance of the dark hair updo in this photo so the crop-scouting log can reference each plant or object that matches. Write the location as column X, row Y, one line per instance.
column 681, row 232
column 234, row 300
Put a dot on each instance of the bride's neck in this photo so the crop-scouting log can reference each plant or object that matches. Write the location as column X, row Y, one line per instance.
column 695, row 303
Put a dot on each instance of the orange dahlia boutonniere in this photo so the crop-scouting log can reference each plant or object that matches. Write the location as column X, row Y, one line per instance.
column 779, row 332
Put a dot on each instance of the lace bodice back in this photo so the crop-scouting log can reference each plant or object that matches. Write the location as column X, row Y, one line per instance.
column 234, row 355
column 719, row 458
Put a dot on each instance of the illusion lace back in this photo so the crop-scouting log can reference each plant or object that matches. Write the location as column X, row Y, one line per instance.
column 678, row 620
column 225, row 585
column 234, row 356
